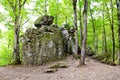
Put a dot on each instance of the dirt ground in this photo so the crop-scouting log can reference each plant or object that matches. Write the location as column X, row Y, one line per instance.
column 93, row 70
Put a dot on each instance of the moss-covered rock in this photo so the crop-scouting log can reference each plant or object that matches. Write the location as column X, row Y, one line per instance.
column 44, row 20
column 58, row 65
column 42, row 45
column 50, row 70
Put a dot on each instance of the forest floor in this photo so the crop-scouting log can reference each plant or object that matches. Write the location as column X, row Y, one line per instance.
column 93, row 70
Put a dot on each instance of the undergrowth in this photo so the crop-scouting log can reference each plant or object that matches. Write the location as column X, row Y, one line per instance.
column 5, row 56
column 105, row 58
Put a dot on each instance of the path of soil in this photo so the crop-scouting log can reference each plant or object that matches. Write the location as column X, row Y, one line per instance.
column 93, row 70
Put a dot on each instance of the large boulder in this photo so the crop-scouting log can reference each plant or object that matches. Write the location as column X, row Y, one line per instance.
column 44, row 20
column 42, row 45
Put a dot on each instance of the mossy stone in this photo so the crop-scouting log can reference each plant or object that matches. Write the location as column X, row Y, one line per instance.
column 42, row 45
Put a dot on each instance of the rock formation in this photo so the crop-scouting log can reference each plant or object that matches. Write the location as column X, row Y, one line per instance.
column 68, row 35
column 47, row 43
column 44, row 20
column 44, row 44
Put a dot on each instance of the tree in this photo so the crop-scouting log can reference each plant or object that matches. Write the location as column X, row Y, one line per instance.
column 118, row 15
column 111, row 21
column 80, row 19
column 45, row 6
column 82, row 60
column 104, row 32
column 94, row 30
column 56, row 13
column 16, row 7
column 112, row 29
column 75, row 25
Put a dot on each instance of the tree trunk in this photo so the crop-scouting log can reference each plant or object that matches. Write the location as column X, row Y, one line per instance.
column 82, row 61
column 66, row 19
column 56, row 14
column 16, row 8
column 45, row 6
column 81, row 29
column 75, row 25
column 16, row 45
column 94, row 33
column 112, row 28
column 104, row 33
column 118, row 15
column 16, row 37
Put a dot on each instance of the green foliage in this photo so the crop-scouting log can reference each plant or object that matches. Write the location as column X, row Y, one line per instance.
column 62, row 10
column 5, row 55
column 6, row 48
column 105, row 58
column 0, row 34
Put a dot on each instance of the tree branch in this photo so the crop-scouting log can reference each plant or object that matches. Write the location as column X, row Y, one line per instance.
column 11, row 4
column 23, row 3
column 26, row 21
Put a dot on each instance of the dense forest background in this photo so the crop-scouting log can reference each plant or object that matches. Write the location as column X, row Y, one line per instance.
column 102, row 24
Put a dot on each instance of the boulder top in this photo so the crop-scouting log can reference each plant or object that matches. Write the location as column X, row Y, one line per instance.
column 43, row 20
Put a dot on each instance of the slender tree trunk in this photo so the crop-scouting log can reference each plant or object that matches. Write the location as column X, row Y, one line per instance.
column 118, row 15
column 104, row 33
column 16, row 35
column 81, row 29
column 16, row 45
column 103, row 44
column 75, row 25
column 97, row 43
column 112, row 27
column 94, row 31
column 17, row 25
column 45, row 6
column 17, row 7
column 82, row 61
column 66, row 19
column 9, row 41
column 56, row 15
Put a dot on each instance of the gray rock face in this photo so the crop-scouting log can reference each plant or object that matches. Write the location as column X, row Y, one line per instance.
column 68, row 34
column 42, row 45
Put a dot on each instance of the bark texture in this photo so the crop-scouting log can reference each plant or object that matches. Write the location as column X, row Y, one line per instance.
column 75, row 25
column 111, row 21
column 16, row 7
column 82, row 61
column 118, row 15
column 104, row 33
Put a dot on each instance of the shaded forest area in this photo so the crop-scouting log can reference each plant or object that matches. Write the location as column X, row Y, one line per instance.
column 96, row 23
